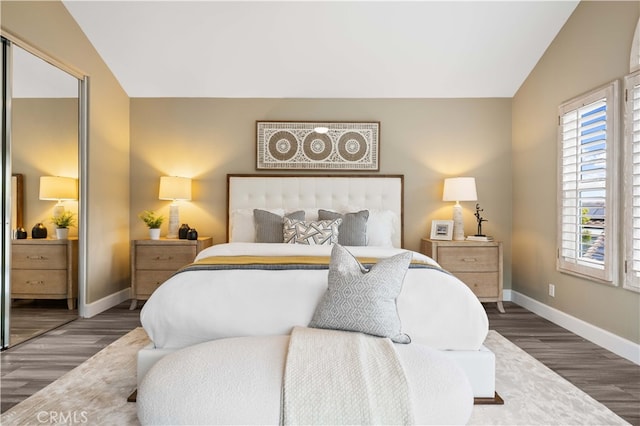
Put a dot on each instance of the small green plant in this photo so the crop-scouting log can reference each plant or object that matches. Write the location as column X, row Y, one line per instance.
column 65, row 220
column 151, row 219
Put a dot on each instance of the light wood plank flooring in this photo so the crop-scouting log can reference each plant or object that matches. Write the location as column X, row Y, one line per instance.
column 612, row 380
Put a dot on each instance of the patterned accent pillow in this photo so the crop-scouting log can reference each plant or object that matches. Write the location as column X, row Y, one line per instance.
column 269, row 225
column 353, row 231
column 322, row 232
column 363, row 300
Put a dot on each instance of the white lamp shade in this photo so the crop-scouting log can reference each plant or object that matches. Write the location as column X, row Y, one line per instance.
column 58, row 188
column 460, row 189
column 175, row 188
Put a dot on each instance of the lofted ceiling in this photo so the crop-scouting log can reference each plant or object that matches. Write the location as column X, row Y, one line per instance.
column 321, row 49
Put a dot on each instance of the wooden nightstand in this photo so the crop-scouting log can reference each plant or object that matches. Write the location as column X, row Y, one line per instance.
column 154, row 261
column 45, row 269
column 477, row 264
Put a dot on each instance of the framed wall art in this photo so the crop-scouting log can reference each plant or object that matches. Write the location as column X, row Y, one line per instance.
column 441, row 229
column 309, row 145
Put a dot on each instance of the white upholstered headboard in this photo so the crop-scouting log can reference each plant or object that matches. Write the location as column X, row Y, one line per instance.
column 311, row 192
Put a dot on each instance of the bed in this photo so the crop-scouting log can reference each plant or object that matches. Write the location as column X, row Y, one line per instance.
column 203, row 303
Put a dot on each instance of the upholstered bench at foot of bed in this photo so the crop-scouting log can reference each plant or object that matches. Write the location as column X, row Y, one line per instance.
column 239, row 381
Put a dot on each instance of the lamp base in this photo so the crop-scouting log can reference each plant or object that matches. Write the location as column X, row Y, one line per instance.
column 458, row 224
column 174, row 220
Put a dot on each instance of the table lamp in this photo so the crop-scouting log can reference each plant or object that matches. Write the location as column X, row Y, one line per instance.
column 174, row 188
column 459, row 189
column 58, row 188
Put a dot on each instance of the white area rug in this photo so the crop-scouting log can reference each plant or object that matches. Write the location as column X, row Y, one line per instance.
column 96, row 392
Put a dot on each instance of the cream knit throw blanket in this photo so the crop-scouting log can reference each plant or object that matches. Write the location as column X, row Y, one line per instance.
column 338, row 377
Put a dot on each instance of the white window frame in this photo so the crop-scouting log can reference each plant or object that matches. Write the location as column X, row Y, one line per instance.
column 569, row 259
column 631, row 182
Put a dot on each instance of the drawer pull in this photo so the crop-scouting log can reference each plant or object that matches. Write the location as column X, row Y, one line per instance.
column 34, row 282
column 37, row 257
column 469, row 259
column 163, row 258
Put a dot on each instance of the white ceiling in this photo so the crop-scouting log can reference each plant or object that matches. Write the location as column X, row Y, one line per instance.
column 321, row 49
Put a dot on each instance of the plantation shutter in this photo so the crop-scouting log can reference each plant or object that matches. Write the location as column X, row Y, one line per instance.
column 585, row 182
column 632, row 182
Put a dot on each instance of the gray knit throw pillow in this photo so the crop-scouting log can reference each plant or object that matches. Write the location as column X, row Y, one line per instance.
column 363, row 300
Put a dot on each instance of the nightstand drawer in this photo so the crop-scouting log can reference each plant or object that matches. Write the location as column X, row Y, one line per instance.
column 468, row 259
column 37, row 282
column 159, row 257
column 34, row 256
column 148, row 281
column 483, row 284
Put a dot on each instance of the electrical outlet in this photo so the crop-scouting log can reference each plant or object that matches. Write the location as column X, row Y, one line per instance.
column 552, row 290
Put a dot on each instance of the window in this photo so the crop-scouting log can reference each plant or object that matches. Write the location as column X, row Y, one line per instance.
column 631, row 188
column 586, row 184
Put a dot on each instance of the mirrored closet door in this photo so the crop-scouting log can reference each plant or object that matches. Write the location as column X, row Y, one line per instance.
column 41, row 285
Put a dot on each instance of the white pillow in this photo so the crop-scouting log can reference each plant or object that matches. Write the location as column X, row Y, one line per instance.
column 381, row 228
column 242, row 226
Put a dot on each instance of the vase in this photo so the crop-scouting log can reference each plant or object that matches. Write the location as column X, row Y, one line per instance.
column 39, row 231
column 62, row 233
column 21, row 234
column 182, row 232
column 192, row 234
column 154, row 233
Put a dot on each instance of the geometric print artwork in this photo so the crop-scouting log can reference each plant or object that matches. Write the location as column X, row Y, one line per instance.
column 323, row 232
column 307, row 146
column 363, row 300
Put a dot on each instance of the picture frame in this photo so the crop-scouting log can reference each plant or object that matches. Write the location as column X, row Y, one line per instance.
column 441, row 230
column 317, row 145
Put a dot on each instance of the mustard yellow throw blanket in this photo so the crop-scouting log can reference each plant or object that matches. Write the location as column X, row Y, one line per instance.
column 339, row 377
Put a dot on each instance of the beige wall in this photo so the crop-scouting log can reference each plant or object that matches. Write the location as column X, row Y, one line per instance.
column 424, row 139
column 592, row 49
column 44, row 143
column 49, row 27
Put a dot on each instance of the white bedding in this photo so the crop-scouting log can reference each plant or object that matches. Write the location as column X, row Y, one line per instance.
column 436, row 309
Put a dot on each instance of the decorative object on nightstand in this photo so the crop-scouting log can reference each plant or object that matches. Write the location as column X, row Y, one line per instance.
column 459, row 189
column 476, row 263
column 192, row 234
column 60, row 189
column 154, row 261
column 176, row 189
column 63, row 222
column 479, row 236
column 39, row 231
column 183, row 231
column 153, row 221
column 441, row 229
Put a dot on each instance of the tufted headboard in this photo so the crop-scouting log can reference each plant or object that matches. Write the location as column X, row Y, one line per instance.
column 311, row 192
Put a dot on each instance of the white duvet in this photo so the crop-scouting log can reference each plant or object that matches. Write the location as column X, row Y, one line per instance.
column 436, row 309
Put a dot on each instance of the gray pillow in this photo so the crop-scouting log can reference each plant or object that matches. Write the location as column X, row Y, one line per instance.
column 363, row 300
column 353, row 231
column 269, row 225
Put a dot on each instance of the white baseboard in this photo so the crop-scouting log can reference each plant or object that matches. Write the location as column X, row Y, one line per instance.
column 93, row 309
column 614, row 343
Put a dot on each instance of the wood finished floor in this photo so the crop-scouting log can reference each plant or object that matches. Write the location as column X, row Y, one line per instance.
column 31, row 318
column 612, row 380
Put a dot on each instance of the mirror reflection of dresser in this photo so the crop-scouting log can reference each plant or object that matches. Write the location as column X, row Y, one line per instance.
column 45, row 269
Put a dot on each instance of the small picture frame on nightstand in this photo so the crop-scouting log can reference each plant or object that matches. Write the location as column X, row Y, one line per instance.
column 441, row 230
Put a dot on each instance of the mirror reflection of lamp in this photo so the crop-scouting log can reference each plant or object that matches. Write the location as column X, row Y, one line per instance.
column 176, row 189
column 60, row 189
column 459, row 189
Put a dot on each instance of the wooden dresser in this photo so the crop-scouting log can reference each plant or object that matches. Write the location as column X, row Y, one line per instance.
column 154, row 261
column 45, row 269
column 478, row 264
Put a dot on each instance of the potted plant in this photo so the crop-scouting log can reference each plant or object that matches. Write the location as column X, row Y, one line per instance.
column 153, row 221
column 63, row 222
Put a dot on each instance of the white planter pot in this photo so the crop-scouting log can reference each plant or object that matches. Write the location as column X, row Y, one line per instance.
column 154, row 233
column 62, row 233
